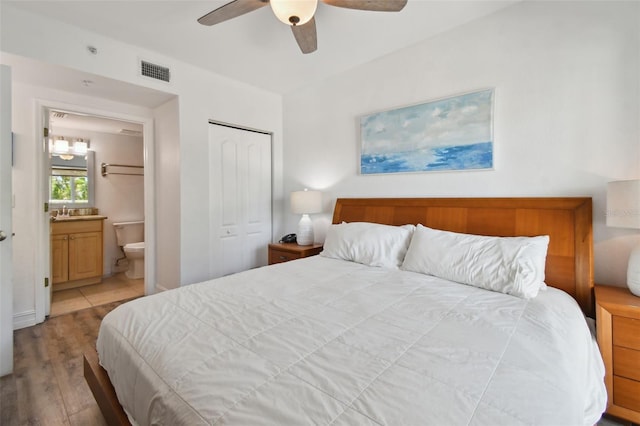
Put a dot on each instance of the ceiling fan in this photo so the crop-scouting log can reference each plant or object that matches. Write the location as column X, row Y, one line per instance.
column 297, row 13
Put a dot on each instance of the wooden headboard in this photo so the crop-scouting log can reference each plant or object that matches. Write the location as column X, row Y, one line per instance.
column 567, row 221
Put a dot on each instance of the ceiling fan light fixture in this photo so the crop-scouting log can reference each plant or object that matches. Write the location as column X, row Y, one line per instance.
column 294, row 12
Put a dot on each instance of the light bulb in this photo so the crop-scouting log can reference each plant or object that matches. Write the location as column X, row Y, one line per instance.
column 294, row 12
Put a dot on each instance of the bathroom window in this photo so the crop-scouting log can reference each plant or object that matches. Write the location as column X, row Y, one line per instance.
column 68, row 186
column 71, row 181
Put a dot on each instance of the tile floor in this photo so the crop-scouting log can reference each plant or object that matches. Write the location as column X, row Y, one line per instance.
column 111, row 289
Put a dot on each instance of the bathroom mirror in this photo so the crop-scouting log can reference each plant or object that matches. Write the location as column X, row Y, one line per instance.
column 71, row 181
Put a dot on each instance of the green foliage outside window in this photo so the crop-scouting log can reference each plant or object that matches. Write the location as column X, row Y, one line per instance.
column 72, row 189
column 82, row 189
column 61, row 188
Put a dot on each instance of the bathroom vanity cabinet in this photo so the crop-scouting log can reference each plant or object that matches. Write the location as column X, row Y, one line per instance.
column 76, row 251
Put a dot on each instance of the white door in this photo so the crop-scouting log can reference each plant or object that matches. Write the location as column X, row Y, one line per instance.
column 6, row 276
column 239, row 199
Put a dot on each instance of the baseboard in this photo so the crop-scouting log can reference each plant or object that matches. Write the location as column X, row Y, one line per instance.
column 24, row 319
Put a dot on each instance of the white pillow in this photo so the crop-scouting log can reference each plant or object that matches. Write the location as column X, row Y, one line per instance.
column 511, row 265
column 371, row 244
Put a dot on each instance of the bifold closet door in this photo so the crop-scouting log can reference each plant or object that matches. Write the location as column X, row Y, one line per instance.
column 239, row 199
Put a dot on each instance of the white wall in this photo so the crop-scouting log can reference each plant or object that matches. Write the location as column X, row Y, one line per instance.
column 566, row 78
column 202, row 96
column 119, row 197
column 167, row 138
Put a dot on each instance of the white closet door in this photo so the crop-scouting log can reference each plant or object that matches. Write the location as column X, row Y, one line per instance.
column 239, row 199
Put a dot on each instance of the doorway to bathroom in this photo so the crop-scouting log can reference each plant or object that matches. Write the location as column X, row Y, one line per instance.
column 108, row 188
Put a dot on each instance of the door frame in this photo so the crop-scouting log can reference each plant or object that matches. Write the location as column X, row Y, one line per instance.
column 6, row 193
column 42, row 260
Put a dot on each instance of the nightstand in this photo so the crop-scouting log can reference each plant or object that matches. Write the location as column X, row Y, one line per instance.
column 284, row 252
column 618, row 324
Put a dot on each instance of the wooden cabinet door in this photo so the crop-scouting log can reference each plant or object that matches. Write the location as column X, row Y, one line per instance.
column 85, row 255
column 59, row 258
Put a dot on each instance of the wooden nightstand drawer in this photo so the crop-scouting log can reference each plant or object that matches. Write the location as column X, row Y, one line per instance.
column 284, row 252
column 626, row 362
column 279, row 256
column 626, row 332
column 626, row 393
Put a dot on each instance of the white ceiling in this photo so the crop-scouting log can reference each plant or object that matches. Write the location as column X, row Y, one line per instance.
column 257, row 48
column 65, row 120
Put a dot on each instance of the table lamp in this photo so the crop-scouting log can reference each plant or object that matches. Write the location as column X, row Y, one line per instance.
column 305, row 203
column 623, row 211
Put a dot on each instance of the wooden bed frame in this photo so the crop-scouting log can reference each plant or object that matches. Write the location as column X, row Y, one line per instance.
column 567, row 221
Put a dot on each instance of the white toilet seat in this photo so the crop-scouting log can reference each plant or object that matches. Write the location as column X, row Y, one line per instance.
column 134, row 247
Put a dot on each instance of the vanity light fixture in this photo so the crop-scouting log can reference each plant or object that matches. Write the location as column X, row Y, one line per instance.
column 61, row 148
column 61, row 145
column 80, row 146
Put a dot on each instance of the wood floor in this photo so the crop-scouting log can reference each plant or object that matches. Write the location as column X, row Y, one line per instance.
column 47, row 386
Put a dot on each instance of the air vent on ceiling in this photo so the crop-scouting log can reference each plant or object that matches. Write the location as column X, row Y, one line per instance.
column 158, row 72
column 58, row 114
column 130, row 132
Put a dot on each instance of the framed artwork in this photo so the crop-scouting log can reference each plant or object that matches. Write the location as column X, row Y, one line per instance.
column 454, row 133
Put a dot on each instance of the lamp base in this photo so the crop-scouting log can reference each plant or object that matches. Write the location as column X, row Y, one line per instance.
column 305, row 231
column 633, row 271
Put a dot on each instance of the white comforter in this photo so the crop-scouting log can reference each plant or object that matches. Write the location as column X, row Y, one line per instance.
column 324, row 341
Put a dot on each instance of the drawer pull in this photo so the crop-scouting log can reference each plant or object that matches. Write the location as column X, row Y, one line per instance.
column 284, row 258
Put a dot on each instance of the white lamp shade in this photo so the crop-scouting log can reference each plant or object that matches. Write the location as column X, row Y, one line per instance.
column 306, row 202
column 623, row 204
column 294, row 12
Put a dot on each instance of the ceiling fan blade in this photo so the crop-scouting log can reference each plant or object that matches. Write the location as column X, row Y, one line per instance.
column 231, row 10
column 376, row 5
column 306, row 36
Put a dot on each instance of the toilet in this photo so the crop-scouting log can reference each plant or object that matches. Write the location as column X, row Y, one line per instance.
column 130, row 237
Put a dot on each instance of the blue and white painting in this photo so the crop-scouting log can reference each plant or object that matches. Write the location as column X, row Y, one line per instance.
column 454, row 133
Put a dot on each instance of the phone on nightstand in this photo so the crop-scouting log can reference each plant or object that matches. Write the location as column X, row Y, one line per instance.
column 289, row 238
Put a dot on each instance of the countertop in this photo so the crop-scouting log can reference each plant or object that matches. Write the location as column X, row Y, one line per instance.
column 78, row 218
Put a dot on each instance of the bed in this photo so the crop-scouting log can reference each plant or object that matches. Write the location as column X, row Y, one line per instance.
column 329, row 340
